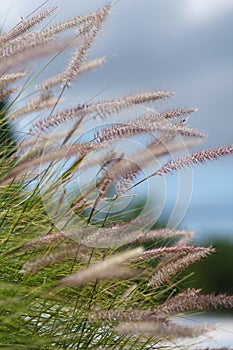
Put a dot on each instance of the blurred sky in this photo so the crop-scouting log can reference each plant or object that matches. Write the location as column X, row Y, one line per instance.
column 182, row 45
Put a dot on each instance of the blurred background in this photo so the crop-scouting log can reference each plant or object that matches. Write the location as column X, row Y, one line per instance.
column 183, row 46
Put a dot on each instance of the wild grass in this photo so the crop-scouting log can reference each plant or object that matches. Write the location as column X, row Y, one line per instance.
column 74, row 276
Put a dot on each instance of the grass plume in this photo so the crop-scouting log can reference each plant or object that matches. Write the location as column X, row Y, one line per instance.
column 74, row 273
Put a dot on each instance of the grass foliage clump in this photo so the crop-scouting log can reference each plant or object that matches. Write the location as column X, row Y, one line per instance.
column 73, row 274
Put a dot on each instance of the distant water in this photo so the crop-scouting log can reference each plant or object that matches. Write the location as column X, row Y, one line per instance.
column 222, row 336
